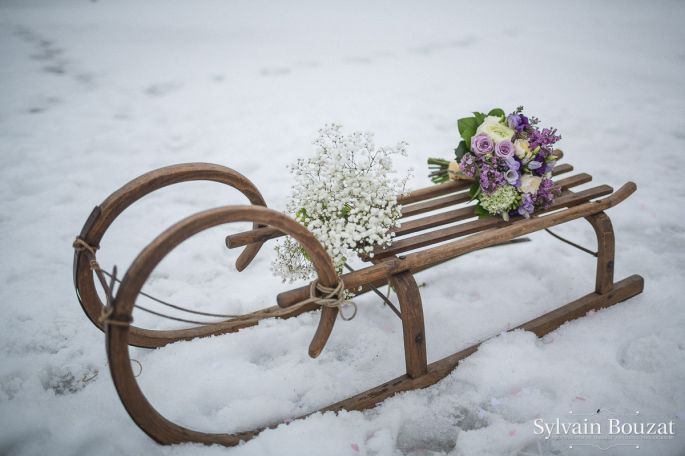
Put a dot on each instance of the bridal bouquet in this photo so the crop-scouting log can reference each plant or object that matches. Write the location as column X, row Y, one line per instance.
column 509, row 158
column 346, row 195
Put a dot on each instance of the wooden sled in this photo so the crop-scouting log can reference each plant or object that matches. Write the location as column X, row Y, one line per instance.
column 458, row 230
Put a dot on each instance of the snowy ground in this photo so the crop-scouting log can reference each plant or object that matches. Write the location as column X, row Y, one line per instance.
column 96, row 93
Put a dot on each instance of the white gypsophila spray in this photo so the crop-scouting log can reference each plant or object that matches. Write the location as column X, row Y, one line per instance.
column 346, row 195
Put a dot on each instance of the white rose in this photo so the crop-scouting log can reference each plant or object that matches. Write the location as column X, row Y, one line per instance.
column 522, row 148
column 530, row 184
column 495, row 129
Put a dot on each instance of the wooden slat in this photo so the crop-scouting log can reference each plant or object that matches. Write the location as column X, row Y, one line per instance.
column 254, row 235
column 435, row 204
column 432, row 192
column 463, row 229
column 573, row 181
column 464, row 213
column 443, row 218
column 562, row 169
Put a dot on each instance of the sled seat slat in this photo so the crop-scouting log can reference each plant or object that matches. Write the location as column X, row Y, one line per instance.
column 443, row 218
column 567, row 199
column 434, row 191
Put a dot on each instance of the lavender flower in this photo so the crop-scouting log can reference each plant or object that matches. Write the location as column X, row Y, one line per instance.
column 518, row 122
column 482, row 144
column 490, row 178
column 545, row 138
column 537, row 165
column 505, row 149
column 527, row 207
column 545, row 194
column 468, row 165
column 545, row 168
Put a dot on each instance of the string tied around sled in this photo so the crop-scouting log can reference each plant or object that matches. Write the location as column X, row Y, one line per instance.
column 82, row 246
column 319, row 294
column 333, row 297
column 105, row 318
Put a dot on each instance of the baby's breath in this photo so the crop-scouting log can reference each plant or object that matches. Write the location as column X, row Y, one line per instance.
column 346, row 195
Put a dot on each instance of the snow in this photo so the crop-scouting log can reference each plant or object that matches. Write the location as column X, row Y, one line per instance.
column 96, row 93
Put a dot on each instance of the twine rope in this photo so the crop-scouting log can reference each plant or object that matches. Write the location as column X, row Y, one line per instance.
column 81, row 246
column 330, row 297
column 571, row 243
column 105, row 318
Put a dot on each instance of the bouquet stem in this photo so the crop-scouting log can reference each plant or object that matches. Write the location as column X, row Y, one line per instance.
column 438, row 170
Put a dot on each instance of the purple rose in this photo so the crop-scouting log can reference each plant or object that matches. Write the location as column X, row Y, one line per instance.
column 505, row 149
column 482, row 144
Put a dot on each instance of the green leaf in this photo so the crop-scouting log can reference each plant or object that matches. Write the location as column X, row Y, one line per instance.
column 496, row 112
column 474, row 190
column 345, row 212
column 301, row 215
column 481, row 212
column 480, row 117
column 467, row 128
column 305, row 254
column 460, row 150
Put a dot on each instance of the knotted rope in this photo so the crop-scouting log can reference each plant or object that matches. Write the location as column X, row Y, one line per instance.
column 80, row 245
column 105, row 316
column 330, row 297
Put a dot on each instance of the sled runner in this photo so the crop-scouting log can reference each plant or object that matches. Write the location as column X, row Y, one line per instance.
column 457, row 230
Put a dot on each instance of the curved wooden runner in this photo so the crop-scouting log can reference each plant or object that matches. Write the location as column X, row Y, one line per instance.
column 118, row 332
column 104, row 215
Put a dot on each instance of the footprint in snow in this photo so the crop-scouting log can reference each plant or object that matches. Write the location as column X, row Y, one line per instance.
column 162, row 89
column 274, row 71
column 427, row 437
column 42, row 104
column 650, row 353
